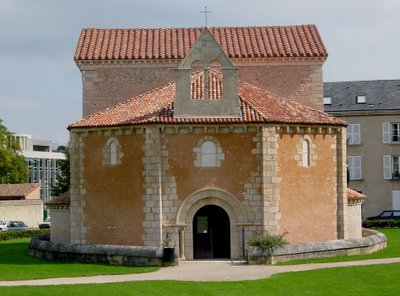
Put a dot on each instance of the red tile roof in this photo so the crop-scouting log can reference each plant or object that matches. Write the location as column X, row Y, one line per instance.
column 175, row 43
column 257, row 105
column 354, row 195
column 17, row 191
column 62, row 200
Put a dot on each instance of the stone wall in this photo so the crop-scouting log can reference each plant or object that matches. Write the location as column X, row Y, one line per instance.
column 29, row 211
column 306, row 193
column 107, row 84
column 41, row 247
column 371, row 242
column 354, row 225
column 60, row 230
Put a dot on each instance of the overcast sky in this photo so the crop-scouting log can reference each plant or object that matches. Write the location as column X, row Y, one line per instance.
column 40, row 85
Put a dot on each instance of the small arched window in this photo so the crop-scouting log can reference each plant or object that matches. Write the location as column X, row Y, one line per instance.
column 306, row 153
column 113, row 153
column 209, row 154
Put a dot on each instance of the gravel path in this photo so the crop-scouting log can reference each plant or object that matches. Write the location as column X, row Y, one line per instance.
column 199, row 271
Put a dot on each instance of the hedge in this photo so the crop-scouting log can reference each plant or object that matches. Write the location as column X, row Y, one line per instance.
column 381, row 223
column 6, row 235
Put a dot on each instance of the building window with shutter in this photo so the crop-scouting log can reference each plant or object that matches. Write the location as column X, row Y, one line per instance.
column 395, row 132
column 391, row 132
column 354, row 165
column 391, row 167
column 354, row 134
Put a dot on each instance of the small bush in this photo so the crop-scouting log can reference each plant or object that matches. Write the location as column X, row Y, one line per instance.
column 268, row 242
column 381, row 223
column 6, row 235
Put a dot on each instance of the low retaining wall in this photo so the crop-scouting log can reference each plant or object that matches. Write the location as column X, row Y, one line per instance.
column 41, row 247
column 371, row 241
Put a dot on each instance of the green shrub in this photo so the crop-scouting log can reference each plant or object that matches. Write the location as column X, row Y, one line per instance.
column 6, row 235
column 381, row 223
column 268, row 242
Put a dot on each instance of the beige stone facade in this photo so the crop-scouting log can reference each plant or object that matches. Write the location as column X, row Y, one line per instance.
column 371, row 157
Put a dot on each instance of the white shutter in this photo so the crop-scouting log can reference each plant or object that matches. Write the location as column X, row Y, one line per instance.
column 357, row 168
column 356, row 134
column 354, row 163
column 396, row 200
column 387, row 167
column 386, row 132
column 349, row 132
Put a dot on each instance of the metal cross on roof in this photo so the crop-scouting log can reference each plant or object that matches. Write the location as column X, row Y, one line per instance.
column 205, row 11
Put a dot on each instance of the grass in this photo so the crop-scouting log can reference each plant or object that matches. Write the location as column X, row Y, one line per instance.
column 392, row 250
column 336, row 281
column 16, row 264
column 362, row 280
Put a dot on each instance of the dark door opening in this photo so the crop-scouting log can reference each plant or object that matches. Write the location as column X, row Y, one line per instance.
column 211, row 233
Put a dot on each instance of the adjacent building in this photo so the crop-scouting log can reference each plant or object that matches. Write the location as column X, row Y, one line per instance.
column 42, row 161
column 372, row 109
column 21, row 202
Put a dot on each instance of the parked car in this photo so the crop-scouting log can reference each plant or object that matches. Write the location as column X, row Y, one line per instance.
column 3, row 225
column 386, row 215
column 16, row 225
column 46, row 223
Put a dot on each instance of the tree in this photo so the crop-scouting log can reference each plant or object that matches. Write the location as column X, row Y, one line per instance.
column 13, row 168
column 63, row 179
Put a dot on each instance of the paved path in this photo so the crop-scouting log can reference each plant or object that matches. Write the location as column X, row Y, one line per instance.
column 199, row 271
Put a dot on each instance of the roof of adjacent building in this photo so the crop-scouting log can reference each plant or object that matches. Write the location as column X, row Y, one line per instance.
column 381, row 95
column 354, row 195
column 17, row 191
column 257, row 106
column 175, row 43
column 61, row 200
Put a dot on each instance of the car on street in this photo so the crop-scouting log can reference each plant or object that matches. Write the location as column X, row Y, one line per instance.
column 3, row 225
column 46, row 223
column 16, row 225
column 386, row 215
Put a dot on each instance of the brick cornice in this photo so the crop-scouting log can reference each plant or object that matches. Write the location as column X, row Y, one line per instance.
column 236, row 61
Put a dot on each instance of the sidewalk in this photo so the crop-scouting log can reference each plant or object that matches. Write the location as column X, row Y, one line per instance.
column 199, row 271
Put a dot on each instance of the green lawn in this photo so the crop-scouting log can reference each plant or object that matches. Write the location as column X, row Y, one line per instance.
column 16, row 264
column 364, row 280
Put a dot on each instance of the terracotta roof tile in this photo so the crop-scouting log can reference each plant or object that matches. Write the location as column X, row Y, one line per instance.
column 13, row 191
column 354, row 195
column 257, row 105
column 175, row 43
column 63, row 199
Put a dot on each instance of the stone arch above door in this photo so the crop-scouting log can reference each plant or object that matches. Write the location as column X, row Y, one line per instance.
column 211, row 196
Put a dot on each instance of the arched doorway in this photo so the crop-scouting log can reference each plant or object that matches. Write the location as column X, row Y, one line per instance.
column 211, row 233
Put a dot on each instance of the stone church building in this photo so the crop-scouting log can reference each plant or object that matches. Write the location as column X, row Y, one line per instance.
column 200, row 138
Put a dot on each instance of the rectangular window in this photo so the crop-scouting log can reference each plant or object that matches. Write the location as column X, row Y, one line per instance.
column 327, row 101
column 396, row 201
column 391, row 132
column 354, row 134
column 395, row 132
column 354, row 165
column 395, row 167
column 391, row 167
column 361, row 99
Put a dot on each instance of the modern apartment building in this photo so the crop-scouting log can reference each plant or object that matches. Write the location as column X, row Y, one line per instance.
column 372, row 109
column 42, row 162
